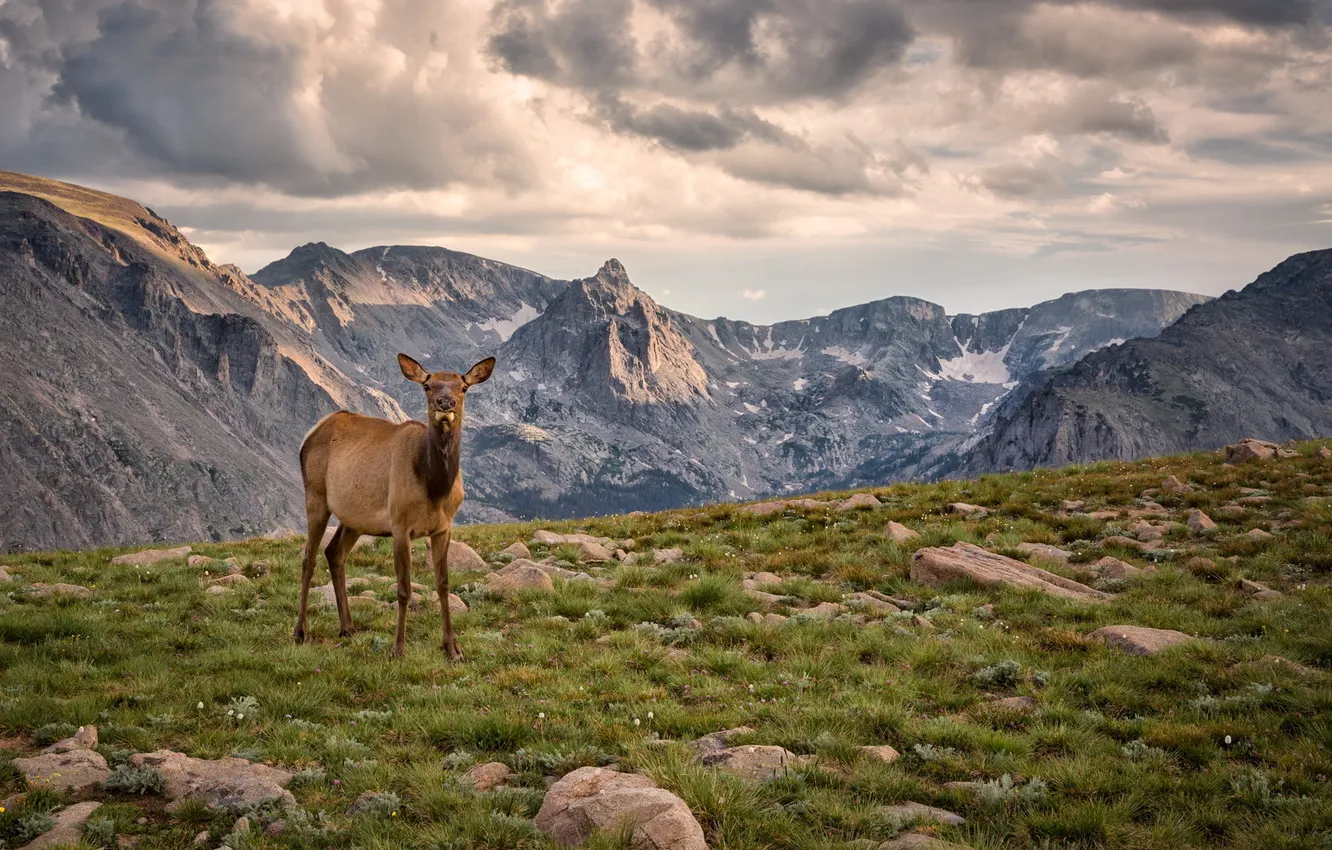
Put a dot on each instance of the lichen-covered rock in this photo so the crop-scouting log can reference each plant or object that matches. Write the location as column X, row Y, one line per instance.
column 67, row 827
column 1200, row 523
column 899, row 533
column 967, row 510
column 518, row 550
column 73, row 769
column 1044, row 550
column 231, row 783
column 489, row 775
column 936, row 566
column 755, row 762
column 463, row 557
column 597, row 799
column 910, row 812
column 882, row 753
column 1250, row 449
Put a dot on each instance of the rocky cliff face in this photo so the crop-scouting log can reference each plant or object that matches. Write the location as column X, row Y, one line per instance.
column 154, row 395
column 1255, row 362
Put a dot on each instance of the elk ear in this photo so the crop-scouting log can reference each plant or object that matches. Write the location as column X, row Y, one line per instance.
column 411, row 370
column 479, row 372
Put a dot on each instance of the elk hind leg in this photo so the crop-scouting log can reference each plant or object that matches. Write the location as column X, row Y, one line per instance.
column 316, row 520
column 338, row 548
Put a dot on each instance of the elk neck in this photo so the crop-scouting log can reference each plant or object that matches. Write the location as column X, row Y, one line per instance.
column 438, row 463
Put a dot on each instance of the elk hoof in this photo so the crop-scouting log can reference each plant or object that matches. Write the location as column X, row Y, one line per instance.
column 398, row 651
column 455, row 652
column 298, row 635
column 347, row 632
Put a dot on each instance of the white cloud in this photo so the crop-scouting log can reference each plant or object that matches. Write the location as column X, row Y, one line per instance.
column 753, row 294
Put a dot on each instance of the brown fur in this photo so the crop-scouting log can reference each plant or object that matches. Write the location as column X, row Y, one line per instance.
column 399, row 480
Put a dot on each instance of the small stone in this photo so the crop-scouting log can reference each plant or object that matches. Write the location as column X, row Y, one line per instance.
column 1114, row 568
column 241, row 826
column 858, row 502
column 1257, row 534
column 275, row 828
column 921, row 623
column 229, row 580
column 1121, row 542
column 1016, row 704
column 1175, row 487
column 715, row 742
column 518, row 550
column 201, row 839
column 1139, row 640
column 217, row 590
column 1200, row 523
column 1044, row 550
column 967, row 510
column 592, row 799
column 919, row 841
column 667, row 556
column 261, row 568
column 882, row 753
column 594, row 552
column 1104, row 515
column 463, row 558
column 148, row 557
column 755, row 762
column 84, row 739
column 489, row 775
column 521, row 575
column 1250, row 449
column 201, row 562
column 825, row 610
column 1070, row 506
column 764, row 508
column 1324, row 453
column 1232, row 510
column 899, row 533
column 871, row 601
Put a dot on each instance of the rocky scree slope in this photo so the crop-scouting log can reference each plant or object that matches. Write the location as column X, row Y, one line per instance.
column 1257, row 361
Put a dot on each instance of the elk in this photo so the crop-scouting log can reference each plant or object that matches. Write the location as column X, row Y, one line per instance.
column 388, row 479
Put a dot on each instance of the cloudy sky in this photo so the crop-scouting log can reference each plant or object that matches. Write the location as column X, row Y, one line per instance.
column 762, row 159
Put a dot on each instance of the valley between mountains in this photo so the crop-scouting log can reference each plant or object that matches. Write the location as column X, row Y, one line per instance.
column 153, row 395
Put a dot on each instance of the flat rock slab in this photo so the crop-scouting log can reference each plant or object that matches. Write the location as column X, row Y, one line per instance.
column 1139, row 640
column 68, row 827
column 919, row 841
column 755, row 762
column 1114, row 568
column 1250, row 449
column 550, row 538
column 70, row 770
column 910, row 812
column 149, row 557
column 715, row 742
column 936, row 566
column 597, row 799
column 859, row 501
column 965, row 509
column 221, row 783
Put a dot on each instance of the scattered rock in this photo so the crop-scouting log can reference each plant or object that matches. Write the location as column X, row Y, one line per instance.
column 69, row 765
column 715, row 742
column 202, row 562
column 763, row 598
column 910, row 812
column 899, row 533
column 882, row 753
column 1114, row 568
column 229, row 580
column 825, row 610
column 489, row 775
column 1175, row 487
column 935, row 566
column 967, row 510
column 1044, row 550
column 148, row 557
column 59, row 589
column 1287, row 664
column 764, row 508
column 463, row 557
column 1232, row 510
column 752, row 581
column 1104, row 515
column 67, row 828
column 594, row 552
column 921, row 622
column 667, row 556
column 1199, row 522
column 1257, row 534
column 241, row 826
column 1139, row 640
column 217, row 590
column 1254, row 588
column 755, row 762
column 592, row 799
column 765, row 619
column 201, row 839
column 871, row 600
column 1250, row 449
column 518, row 550
column 550, row 538
column 230, row 783
column 1325, row 453
column 1070, row 506
column 521, row 575
column 859, row 501
column 806, row 504
column 275, row 828
column 456, row 605
column 1146, row 531
column 260, row 568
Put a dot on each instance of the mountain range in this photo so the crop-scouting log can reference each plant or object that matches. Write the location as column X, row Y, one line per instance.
column 152, row 394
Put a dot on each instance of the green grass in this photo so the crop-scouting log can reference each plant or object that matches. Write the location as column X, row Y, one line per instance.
column 1199, row 746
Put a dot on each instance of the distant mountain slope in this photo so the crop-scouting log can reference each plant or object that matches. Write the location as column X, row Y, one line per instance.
column 151, row 394
column 1252, row 363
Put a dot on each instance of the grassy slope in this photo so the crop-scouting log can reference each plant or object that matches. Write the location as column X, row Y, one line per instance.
column 1133, row 750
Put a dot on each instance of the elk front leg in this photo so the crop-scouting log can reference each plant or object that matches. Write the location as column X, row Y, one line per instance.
column 402, row 564
column 316, row 520
column 439, row 557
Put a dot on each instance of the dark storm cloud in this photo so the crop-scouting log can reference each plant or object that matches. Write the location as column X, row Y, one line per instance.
column 182, row 88
column 691, row 129
column 1259, row 12
column 767, row 50
column 1096, row 113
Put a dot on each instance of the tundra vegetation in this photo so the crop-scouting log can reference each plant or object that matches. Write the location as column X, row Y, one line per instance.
column 1220, row 741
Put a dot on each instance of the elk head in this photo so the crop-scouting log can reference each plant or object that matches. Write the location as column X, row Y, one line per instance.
column 445, row 390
